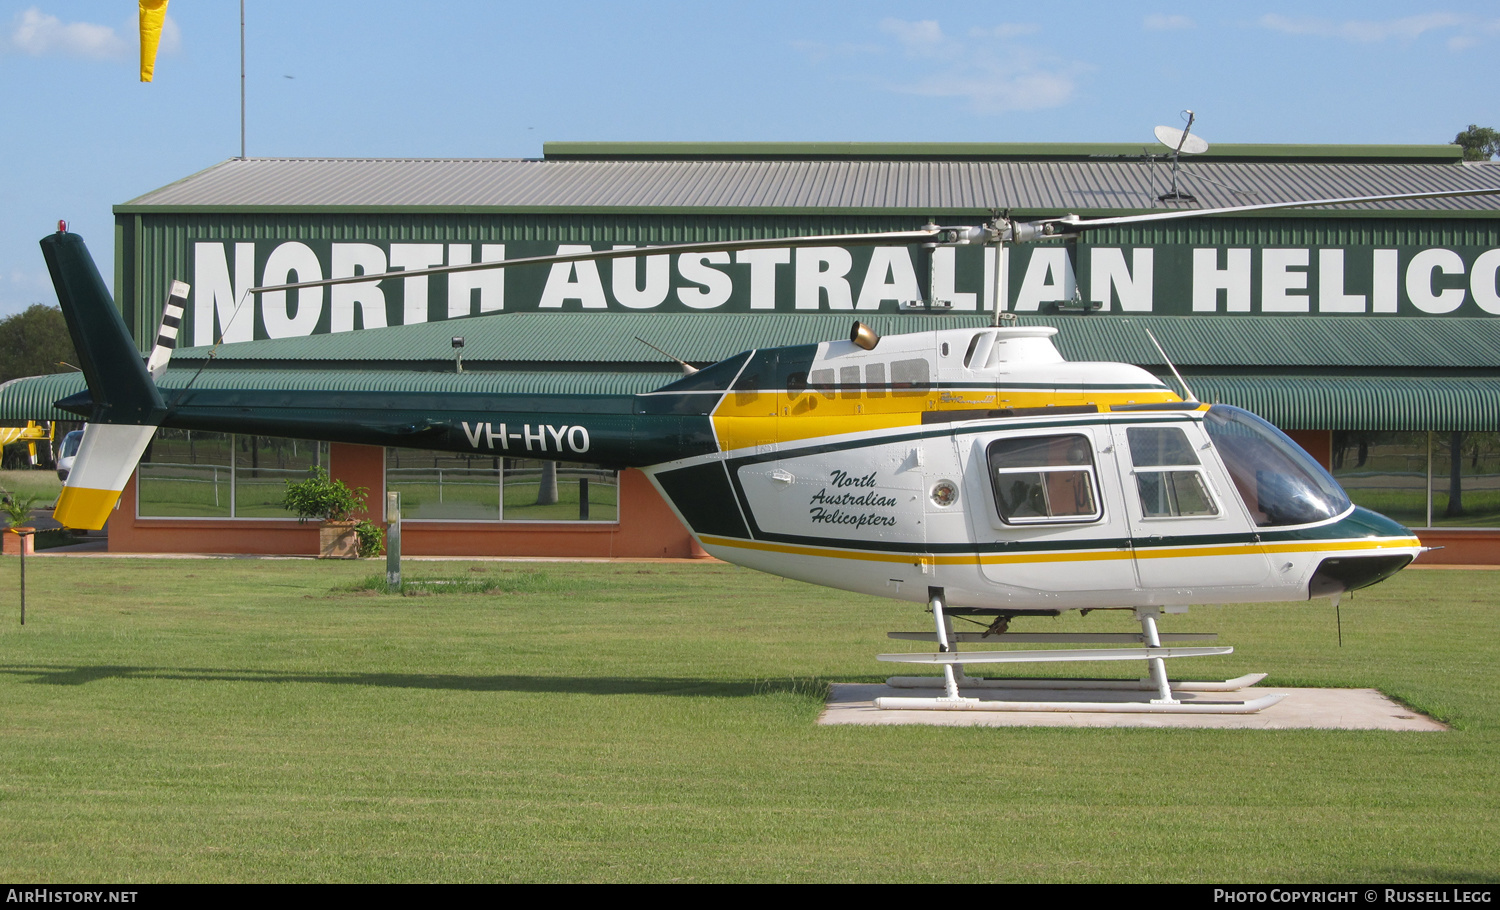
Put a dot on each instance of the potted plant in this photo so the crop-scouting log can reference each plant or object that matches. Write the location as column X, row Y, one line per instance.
column 333, row 503
column 16, row 507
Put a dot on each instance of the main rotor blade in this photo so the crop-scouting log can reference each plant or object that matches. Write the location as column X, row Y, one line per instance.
column 891, row 238
column 1017, row 232
column 1071, row 226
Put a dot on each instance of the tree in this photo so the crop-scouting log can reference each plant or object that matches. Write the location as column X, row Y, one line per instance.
column 1480, row 143
column 33, row 342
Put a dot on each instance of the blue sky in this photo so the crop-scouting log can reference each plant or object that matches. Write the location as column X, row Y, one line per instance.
column 79, row 133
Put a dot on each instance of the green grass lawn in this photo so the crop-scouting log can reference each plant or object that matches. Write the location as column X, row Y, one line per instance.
column 267, row 720
column 42, row 484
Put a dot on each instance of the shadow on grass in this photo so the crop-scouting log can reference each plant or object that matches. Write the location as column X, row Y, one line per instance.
column 62, row 675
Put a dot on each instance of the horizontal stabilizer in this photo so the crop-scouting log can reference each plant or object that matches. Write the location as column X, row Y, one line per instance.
column 105, row 461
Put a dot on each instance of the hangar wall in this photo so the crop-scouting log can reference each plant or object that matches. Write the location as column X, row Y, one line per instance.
column 1406, row 268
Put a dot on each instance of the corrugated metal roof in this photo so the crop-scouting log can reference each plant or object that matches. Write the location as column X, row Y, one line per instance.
column 1283, row 342
column 31, row 398
column 927, row 186
column 1286, row 342
column 1029, row 151
column 1360, row 402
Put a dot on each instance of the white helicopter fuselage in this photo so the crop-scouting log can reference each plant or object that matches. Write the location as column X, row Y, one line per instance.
column 980, row 462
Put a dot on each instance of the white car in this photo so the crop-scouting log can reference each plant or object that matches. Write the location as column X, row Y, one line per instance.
column 67, row 452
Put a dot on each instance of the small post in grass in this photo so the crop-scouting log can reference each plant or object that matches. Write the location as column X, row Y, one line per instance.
column 23, row 575
column 393, row 540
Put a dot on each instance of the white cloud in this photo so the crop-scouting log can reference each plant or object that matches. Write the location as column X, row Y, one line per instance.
column 988, row 70
column 1364, row 31
column 38, row 34
column 171, row 37
column 1159, row 22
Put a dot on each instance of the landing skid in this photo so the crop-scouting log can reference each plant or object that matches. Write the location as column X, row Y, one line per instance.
column 1031, row 682
column 1153, row 653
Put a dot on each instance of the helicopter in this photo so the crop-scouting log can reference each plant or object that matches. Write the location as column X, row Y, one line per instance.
column 972, row 470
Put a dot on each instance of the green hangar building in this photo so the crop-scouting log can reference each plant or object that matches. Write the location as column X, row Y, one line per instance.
column 1369, row 332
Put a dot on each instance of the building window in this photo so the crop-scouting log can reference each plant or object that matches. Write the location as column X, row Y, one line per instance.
column 1422, row 479
column 449, row 486
column 191, row 474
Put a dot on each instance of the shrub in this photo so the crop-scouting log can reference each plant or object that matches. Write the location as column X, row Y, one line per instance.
column 320, row 497
column 371, row 538
column 16, row 507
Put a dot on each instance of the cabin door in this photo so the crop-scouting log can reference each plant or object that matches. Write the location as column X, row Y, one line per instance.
column 1187, row 526
column 1046, row 513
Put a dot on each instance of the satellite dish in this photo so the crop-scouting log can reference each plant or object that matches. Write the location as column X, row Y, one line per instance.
column 1181, row 141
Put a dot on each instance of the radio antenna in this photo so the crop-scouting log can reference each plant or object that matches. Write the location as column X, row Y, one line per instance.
column 1187, row 392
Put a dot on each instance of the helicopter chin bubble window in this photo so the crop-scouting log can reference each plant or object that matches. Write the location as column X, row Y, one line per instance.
column 1168, row 475
column 1044, row 479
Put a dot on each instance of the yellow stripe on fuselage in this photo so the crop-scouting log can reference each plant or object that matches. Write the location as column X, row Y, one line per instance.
column 953, row 559
column 759, row 418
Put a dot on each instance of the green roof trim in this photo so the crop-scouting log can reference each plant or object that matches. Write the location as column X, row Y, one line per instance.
column 993, row 151
column 1303, row 402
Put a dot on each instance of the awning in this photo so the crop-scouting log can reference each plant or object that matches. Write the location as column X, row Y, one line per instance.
column 1323, row 402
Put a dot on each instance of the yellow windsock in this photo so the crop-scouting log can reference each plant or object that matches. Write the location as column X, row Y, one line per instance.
column 153, row 14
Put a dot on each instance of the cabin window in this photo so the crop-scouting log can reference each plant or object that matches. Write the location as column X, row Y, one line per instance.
column 452, row 486
column 875, row 380
column 848, row 382
column 1168, row 475
column 1041, row 479
column 821, row 381
column 909, row 377
column 192, row 474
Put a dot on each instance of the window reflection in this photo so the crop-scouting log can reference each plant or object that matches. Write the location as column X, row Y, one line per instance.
column 450, row 486
column 1279, row 482
column 1044, row 479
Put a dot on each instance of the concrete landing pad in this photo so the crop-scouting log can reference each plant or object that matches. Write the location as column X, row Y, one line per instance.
column 1303, row 709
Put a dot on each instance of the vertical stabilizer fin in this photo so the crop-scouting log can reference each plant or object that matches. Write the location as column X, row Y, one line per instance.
column 127, row 406
column 121, row 388
column 106, row 458
column 166, row 333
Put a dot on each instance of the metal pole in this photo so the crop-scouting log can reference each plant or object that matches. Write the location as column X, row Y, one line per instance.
column 583, row 499
column 242, row 79
column 23, row 577
column 1429, row 478
column 393, row 540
